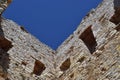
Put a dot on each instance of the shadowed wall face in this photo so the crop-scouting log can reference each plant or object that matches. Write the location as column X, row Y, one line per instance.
column 5, row 45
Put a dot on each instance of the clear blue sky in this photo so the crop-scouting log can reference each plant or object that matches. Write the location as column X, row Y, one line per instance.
column 51, row 21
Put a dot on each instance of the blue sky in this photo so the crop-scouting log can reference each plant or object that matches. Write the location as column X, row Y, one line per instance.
column 51, row 21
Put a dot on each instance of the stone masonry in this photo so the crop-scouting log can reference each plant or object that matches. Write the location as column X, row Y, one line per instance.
column 92, row 52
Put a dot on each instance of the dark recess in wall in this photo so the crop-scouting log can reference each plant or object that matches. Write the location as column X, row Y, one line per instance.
column 116, row 17
column 88, row 38
column 39, row 67
column 65, row 65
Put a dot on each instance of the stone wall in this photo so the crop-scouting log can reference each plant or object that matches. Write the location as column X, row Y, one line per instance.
column 92, row 52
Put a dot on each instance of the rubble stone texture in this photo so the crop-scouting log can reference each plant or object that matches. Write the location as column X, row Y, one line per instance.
column 92, row 52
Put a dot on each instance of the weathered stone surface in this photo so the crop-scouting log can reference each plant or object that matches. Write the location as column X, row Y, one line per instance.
column 92, row 52
column 3, row 5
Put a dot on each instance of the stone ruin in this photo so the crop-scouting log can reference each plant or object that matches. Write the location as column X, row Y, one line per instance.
column 92, row 52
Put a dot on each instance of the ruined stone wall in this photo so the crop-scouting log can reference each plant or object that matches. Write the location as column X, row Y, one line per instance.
column 92, row 52
column 28, row 56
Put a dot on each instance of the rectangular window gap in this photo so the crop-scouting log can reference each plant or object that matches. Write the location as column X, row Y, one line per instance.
column 88, row 38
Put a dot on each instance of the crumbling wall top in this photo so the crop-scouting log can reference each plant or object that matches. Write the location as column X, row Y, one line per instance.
column 3, row 5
